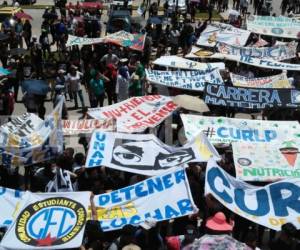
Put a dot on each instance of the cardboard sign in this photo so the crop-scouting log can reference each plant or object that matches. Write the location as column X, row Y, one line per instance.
column 42, row 144
column 144, row 153
column 271, row 206
column 221, row 32
column 251, row 98
column 269, row 82
column 9, row 200
column 86, row 126
column 181, row 63
column 276, row 53
column 280, row 26
column 228, row 130
column 137, row 113
column 159, row 198
column 120, row 38
column 190, row 80
column 49, row 221
column 267, row 161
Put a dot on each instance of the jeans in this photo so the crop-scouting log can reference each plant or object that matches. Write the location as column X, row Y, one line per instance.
column 79, row 92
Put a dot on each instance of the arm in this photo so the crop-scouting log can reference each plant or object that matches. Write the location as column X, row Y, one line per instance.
column 104, row 78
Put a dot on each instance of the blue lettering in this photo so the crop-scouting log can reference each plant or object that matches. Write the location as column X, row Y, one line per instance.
column 122, row 222
column 114, row 197
column 154, row 185
column 135, row 220
column 127, row 192
column 184, row 206
column 270, row 135
column 170, row 212
column 179, row 176
column 139, row 190
column 167, row 181
column 103, row 199
column 100, row 136
column 220, row 132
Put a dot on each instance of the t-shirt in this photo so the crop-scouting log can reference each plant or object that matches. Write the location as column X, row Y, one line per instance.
column 97, row 86
column 75, row 81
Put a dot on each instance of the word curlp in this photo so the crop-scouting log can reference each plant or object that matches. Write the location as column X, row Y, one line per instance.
column 269, row 199
column 142, row 189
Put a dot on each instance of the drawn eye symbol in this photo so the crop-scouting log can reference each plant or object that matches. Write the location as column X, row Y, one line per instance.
column 128, row 157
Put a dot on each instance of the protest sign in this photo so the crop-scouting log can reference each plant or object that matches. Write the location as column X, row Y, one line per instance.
column 228, row 130
column 26, row 147
column 137, row 113
column 280, row 26
column 120, row 38
column 197, row 52
column 221, row 32
column 251, row 98
column 181, row 63
column 49, row 221
column 9, row 200
column 144, row 153
column 276, row 53
column 277, row 81
column 271, row 206
column 158, row 198
column 190, row 80
column 267, row 161
column 87, row 126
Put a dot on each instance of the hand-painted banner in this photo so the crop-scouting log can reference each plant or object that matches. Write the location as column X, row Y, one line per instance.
column 49, row 221
column 251, row 98
column 276, row 53
column 87, row 126
column 24, row 146
column 270, row 82
column 271, row 206
column 267, row 162
column 190, row 80
column 228, row 130
column 137, row 113
column 221, row 32
column 197, row 52
column 120, row 38
column 159, row 198
column 280, row 26
column 9, row 200
column 144, row 153
column 181, row 63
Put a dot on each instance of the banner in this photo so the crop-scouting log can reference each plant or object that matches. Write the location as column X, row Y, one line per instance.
column 49, row 221
column 144, row 153
column 137, row 113
column 271, row 206
column 23, row 143
column 267, row 161
column 269, row 82
column 221, row 32
column 197, row 52
column 190, row 80
column 280, row 26
column 9, row 200
column 276, row 53
column 251, row 98
column 87, row 126
column 159, row 198
column 228, row 130
column 120, row 38
column 181, row 63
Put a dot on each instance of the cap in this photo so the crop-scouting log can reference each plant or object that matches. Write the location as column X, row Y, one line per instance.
column 148, row 224
column 131, row 247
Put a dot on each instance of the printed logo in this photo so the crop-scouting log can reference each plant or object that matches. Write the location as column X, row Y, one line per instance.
column 277, row 31
column 50, row 222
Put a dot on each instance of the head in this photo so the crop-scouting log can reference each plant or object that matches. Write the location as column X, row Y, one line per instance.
column 288, row 232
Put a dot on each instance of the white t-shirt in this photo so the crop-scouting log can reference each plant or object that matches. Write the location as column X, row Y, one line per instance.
column 75, row 81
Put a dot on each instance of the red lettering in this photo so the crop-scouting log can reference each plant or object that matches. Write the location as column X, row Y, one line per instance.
column 143, row 113
column 66, row 123
column 136, row 116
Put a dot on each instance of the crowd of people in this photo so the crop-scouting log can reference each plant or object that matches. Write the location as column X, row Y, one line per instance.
column 109, row 74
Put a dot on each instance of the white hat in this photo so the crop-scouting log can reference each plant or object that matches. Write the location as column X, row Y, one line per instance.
column 148, row 224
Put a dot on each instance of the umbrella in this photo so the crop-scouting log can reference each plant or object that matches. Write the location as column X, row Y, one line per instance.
column 4, row 72
column 23, row 15
column 18, row 52
column 191, row 103
column 220, row 242
column 154, row 20
column 3, row 36
column 34, row 86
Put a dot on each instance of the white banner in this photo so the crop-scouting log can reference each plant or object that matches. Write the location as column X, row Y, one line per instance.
column 159, row 198
column 267, row 161
column 87, row 126
column 28, row 144
column 182, row 63
column 190, row 80
column 271, row 206
column 144, row 153
column 280, row 26
column 221, row 32
column 276, row 53
column 137, row 113
column 227, row 130
column 49, row 221
column 9, row 200
column 269, row 82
